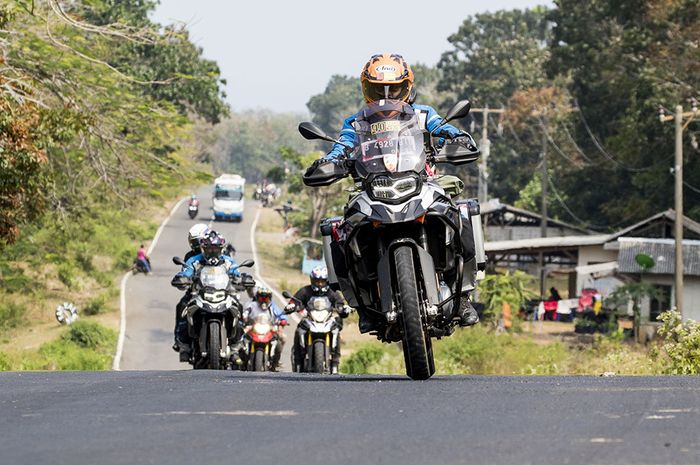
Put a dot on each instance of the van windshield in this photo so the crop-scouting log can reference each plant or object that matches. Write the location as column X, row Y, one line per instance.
column 228, row 194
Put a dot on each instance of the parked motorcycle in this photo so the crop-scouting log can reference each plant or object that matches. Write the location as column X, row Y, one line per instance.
column 322, row 335
column 213, row 314
column 139, row 267
column 397, row 254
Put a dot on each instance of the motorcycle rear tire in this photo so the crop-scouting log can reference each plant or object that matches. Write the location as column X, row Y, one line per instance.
column 416, row 351
column 214, row 346
column 319, row 357
column 259, row 359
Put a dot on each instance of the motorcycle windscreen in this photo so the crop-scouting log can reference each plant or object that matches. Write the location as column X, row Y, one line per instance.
column 215, row 277
column 390, row 139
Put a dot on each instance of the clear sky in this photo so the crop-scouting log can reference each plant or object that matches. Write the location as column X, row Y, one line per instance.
column 276, row 54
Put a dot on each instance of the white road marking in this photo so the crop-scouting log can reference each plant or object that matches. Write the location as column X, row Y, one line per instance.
column 122, row 299
column 606, row 440
column 675, row 410
column 233, row 413
column 660, row 417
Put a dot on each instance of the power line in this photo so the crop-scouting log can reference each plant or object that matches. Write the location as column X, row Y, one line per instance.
column 600, row 147
column 581, row 222
column 692, row 188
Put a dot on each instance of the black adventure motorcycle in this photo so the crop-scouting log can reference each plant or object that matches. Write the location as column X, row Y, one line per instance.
column 397, row 253
column 213, row 313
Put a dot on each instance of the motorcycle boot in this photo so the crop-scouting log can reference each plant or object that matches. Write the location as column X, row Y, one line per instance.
column 467, row 314
column 185, row 351
column 366, row 323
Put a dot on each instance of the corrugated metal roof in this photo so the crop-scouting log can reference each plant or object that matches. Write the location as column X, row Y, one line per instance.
column 662, row 251
column 546, row 243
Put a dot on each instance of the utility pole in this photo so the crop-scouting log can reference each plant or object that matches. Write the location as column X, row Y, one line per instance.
column 543, row 209
column 485, row 145
column 678, row 118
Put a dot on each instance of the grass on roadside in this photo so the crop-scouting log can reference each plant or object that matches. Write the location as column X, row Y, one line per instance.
column 85, row 345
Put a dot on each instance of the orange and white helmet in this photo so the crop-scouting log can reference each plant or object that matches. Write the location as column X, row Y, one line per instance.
column 386, row 76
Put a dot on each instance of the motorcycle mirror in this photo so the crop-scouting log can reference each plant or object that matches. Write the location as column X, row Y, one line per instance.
column 246, row 263
column 311, row 131
column 459, row 110
column 287, row 295
column 178, row 261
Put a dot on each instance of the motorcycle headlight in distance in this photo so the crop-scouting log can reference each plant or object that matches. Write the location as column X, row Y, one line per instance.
column 261, row 328
column 215, row 297
column 319, row 316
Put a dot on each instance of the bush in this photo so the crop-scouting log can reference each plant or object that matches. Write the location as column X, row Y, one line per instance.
column 360, row 361
column 84, row 346
column 89, row 335
column 11, row 315
column 11, row 279
column 681, row 344
column 5, row 362
column 96, row 306
column 66, row 274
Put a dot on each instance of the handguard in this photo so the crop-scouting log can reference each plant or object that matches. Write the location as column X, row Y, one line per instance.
column 458, row 151
column 324, row 173
column 181, row 282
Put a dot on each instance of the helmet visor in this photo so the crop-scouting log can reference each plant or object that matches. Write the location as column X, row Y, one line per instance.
column 319, row 283
column 211, row 250
column 374, row 91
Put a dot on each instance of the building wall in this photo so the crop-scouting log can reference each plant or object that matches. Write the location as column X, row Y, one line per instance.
column 691, row 295
column 589, row 255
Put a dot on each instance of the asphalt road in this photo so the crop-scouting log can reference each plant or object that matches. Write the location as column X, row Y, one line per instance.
column 185, row 417
column 150, row 300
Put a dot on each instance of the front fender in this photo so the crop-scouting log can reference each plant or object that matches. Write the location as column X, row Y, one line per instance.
column 386, row 271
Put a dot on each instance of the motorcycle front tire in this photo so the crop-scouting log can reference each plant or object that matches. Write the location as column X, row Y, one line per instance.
column 319, row 358
column 417, row 351
column 259, row 359
column 214, row 346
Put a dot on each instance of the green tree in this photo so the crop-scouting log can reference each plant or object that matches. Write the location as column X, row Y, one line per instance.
column 492, row 56
column 623, row 60
column 341, row 98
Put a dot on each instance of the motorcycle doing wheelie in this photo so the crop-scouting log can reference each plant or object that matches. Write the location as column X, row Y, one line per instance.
column 213, row 313
column 322, row 336
column 398, row 254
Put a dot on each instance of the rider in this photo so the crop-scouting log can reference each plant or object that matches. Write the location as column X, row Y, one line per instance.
column 143, row 259
column 319, row 287
column 197, row 233
column 262, row 303
column 388, row 76
column 211, row 247
column 194, row 201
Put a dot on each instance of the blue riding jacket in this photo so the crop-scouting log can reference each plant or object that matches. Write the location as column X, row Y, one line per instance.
column 191, row 265
column 348, row 135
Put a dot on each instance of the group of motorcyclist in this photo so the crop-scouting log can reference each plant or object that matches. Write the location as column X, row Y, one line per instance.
column 208, row 247
column 385, row 76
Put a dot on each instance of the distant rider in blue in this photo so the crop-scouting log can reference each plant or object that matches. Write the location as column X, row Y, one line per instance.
column 211, row 253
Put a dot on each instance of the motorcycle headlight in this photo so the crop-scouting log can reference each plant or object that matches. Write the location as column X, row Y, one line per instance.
column 394, row 189
column 319, row 316
column 261, row 328
column 215, row 297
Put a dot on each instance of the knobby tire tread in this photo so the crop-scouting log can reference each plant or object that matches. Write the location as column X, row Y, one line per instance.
column 414, row 345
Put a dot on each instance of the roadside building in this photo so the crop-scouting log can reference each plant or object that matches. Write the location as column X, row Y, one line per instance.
column 602, row 261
